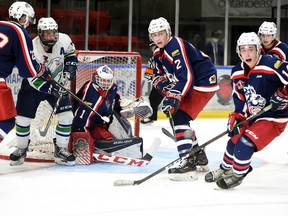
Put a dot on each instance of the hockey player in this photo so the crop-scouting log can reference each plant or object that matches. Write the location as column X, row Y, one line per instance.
column 15, row 50
column 257, row 81
column 270, row 44
column 101, row 95
column 57, row 52
column 187, row 79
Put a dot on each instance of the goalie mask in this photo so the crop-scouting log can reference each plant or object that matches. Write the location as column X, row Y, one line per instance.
column 103, row 78
column 19, row 9
column 48, row 31
column 250, row 38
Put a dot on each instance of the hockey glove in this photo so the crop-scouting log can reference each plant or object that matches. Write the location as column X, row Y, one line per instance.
column 149, row 74
column 71, row 68
column 234, row 119
column 159, row 83
column 44, row 73
column 55, row 89
column 171, row 102
column 279, row 101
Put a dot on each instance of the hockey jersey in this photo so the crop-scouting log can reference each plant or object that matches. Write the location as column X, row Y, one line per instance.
column 279, row 50
column 55, row 58
column 186, row 66
column 253, row 88
column 84, row 118
column 16, row 50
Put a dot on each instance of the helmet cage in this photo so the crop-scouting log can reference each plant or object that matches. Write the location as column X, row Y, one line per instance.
column 47, row 24
column 103, row 78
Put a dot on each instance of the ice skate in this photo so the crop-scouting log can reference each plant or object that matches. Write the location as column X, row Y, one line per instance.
column 201, row 161
column 185, row 172
column 63, row 157
column 146, row 121
column 231, row 181
column 215, row 175
column 17, row 156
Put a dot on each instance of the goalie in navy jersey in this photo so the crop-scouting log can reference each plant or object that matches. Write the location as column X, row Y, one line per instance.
column 259, row 80
column 57, row 52
column 115, row 136
column 269, row 43
column 16, row 50
column 187, row 79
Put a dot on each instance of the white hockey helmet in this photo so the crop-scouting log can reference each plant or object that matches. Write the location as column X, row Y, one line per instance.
column 103, row 78
column 248, row 38
column 45, row 24
column 20, row 8
column 157, row 25
column 268, row 28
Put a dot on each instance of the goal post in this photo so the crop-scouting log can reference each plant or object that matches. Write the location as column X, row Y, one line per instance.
column 127, row 67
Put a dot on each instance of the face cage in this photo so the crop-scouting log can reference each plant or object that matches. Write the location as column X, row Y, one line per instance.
column 104, row 84
column 49, row 43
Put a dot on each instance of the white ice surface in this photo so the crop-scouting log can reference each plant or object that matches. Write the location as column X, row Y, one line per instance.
column 42, row 189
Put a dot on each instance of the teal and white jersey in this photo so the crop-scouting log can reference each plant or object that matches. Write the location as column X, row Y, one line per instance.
column 54, row 58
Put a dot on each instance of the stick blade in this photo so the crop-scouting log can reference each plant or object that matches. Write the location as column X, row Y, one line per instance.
column 122, row 182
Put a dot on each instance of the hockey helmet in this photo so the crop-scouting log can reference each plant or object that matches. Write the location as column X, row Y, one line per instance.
column 248, row 38
column 268, row 28
column 20, row 8
column 46, row 24
column 157, row 25
column 103, row 78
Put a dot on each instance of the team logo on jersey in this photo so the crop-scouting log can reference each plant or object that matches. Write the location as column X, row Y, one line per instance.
column 175, row 53
column 212, row 79
column 278, row 64
column 240, row 85
column 255, row 101
column 107, row 103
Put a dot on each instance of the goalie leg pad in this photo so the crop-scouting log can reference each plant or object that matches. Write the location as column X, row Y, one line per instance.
column 82, row 146
column 131, row 147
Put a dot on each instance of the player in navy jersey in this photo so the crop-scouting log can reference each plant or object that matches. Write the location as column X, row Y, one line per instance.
column 257, row 81
column 270, row 44
column 57, row 52
column 101, row 94
column 15, row 50
column 188, row 80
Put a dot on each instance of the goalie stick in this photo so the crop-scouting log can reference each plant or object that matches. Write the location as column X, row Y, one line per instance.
column 128, row 160
column 121, row 182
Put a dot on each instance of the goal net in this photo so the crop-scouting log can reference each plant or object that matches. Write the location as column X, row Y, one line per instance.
column 127, row 71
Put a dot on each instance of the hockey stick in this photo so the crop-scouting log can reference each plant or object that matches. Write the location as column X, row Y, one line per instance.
column 44, row 131
column 192, row 152
column 104, row 118
column 168, row 134
column 145, row 160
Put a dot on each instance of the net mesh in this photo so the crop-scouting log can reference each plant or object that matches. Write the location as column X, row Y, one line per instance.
column 127, row 72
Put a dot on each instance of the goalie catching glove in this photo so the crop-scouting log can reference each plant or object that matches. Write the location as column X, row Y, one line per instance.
column 139, row 108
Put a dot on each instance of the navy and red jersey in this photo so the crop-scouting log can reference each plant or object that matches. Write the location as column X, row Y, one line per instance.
column 253, row 88
column 189, row 67
column 278, row 50
column 85, row 118
column 16, row 50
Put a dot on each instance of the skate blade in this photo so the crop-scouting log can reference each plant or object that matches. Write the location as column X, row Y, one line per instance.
column 204, row 168
column 64, row 162
column 189, row 176
column 17, row 163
